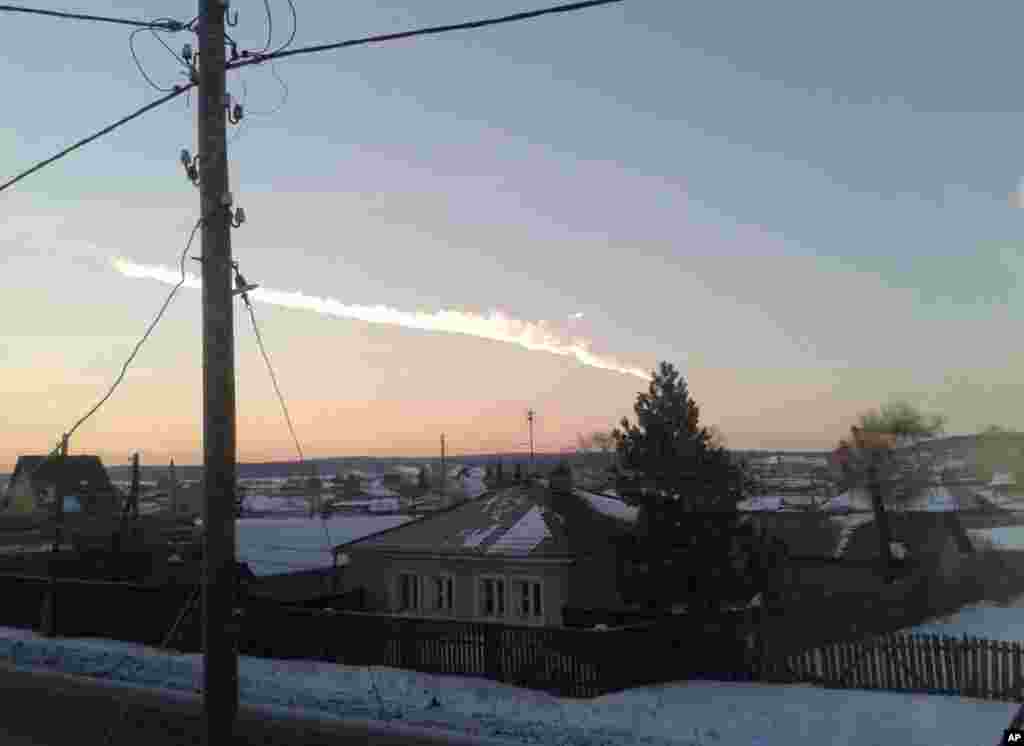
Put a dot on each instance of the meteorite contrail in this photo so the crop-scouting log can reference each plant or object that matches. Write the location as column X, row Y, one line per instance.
column 496, row 326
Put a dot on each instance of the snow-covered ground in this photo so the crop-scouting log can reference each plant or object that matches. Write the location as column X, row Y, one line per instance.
column 679, row 714
column 986, row 620
column 275, row 504
column 279, row 545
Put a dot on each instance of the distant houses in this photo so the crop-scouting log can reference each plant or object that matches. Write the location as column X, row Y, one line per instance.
column 81, row 479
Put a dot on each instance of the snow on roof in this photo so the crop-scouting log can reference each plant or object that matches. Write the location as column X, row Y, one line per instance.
column 857, row 498
column 660, row 715
column 609, row 506
column 523, row 536
column 938, row 499
column 280, row 545
column 763, row 502
column 474, row 537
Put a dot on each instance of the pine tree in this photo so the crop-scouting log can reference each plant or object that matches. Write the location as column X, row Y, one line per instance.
column 687, row 487
column 518, row 473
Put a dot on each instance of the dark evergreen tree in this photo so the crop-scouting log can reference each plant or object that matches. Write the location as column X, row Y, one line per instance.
column 687, row 487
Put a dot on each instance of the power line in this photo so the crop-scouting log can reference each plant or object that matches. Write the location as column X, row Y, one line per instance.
column 255, row 59
column 167, row 24
column 273, row 378
column 86, row 140
column 138, row 346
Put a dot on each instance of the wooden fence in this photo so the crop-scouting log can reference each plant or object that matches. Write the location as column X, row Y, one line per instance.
column 963, row 667
column 568, row 662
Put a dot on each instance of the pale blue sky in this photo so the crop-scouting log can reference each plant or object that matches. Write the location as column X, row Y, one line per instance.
column 805, row 208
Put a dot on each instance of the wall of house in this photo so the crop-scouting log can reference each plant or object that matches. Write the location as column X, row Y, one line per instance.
column 378, row 574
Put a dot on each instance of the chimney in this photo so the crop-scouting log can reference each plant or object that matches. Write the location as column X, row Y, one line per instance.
column 172, row 475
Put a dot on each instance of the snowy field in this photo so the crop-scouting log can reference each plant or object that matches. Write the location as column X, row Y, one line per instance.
column 683, row 714
column 279, row 545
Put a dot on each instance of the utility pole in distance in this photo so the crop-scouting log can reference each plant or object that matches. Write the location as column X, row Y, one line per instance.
column 444, row 469
column 529, row 418
column 220, row 655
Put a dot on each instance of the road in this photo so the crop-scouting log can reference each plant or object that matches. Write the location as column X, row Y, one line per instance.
column 42, row 708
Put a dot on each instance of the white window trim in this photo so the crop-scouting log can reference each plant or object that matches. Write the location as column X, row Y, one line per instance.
column 417, row 610
column 427, row 578
column 422, row 581
column 478, row 596
column 513, row 608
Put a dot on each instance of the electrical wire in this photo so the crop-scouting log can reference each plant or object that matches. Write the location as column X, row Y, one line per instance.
column 253, row 59
column 270, row 26
column 166, row 24
column 149, row 330
column 164, row 44
column 138, row 64
column 280, row 104
column 295, row 27
column 67, row 436
column 273, row 378
column 86, row 140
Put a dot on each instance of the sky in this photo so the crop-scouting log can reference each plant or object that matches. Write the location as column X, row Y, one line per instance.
column 806, row 212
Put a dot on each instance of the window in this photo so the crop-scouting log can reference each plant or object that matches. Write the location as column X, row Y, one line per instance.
column 440, row 592
column 526, row 599
column 408, row 592
column 491, row 597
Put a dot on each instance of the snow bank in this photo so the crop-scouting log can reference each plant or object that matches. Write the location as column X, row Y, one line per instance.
column 681, row 714
column 986, row 620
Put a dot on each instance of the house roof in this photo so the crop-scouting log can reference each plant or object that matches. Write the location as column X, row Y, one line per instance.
column 71, row 471
column 517, row 522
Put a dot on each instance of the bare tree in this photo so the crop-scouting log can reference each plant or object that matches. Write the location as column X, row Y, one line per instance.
column 868, row 456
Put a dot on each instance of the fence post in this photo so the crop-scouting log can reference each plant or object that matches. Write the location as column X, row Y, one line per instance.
column 492, row 656
column 49, row 608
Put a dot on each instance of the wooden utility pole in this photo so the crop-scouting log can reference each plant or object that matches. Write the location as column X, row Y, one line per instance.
column 220, row 655
column 529, row 418
column 133, row 500
column 444, row 469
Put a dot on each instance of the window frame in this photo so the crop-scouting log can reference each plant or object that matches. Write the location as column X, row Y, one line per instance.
column 501, row 599
column 448, row 585
column 416, row 587
column 535, row 597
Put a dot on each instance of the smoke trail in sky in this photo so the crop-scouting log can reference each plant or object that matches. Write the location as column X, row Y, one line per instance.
column 535, row 336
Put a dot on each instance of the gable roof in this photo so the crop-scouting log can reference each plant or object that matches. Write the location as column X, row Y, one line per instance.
column 72, row 471
column 517, row 522
column 512, row 522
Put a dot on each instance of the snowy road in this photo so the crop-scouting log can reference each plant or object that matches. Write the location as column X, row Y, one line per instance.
column 677, row 714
